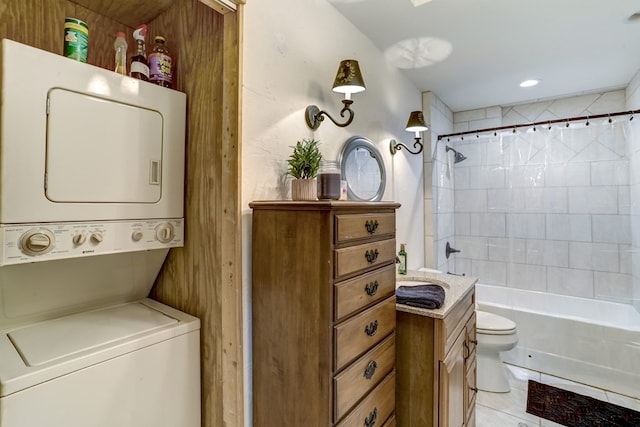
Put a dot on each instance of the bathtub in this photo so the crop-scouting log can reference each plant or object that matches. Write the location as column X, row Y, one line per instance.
column 584, row 340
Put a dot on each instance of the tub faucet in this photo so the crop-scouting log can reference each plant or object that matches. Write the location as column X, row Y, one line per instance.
column 449, row 250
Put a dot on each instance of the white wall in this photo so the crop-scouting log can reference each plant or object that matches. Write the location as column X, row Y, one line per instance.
column 292, row 49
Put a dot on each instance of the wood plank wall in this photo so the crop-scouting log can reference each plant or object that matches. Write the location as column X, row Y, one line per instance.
column 41, row 24
column 204, row 277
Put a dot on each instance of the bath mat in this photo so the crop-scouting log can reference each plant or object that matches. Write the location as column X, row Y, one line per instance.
column 575, row 410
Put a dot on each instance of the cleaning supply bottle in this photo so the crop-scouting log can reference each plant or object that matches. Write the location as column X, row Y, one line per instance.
column 139, row 65
column 402, row 259
column 120, row 46
column 160, row 64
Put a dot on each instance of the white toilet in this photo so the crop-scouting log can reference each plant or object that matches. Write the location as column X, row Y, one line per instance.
column 495, row 334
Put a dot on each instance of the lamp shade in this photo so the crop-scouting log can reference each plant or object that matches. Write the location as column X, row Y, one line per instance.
column 416, row 122
column 348, row 78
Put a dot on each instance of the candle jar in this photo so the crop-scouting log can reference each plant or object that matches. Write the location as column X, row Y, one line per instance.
column 329, row 180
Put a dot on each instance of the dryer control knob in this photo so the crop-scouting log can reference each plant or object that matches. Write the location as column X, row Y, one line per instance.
column 97, row 237
column 79, row 239
column 37, row 242
column 165, row 232
column 137, row 236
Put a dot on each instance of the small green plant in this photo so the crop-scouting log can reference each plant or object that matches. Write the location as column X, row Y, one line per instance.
column 304, row 162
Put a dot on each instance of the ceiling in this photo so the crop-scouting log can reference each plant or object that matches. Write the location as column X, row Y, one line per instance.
column 475, row 53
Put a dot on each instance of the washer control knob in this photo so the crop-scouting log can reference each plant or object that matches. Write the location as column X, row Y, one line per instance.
column 37, row 242
column 79, row 239
column 96, row 237
column 165, row 232
column 137, row 235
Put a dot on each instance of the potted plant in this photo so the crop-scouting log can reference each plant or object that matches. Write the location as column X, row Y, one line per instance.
column 304, row 164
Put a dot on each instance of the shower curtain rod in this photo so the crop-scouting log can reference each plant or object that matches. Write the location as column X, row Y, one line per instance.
column 546, row 122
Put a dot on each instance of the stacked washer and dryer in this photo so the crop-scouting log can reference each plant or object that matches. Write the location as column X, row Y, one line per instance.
column 91, row 201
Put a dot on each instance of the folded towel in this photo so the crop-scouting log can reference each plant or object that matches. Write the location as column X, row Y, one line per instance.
column 423, row 296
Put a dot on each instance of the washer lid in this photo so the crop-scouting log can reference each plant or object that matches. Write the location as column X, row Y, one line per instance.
column 492, row 323
column 48, row 341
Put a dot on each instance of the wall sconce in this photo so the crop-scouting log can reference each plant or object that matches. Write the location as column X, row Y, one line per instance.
column 415, row 124
column 348, row 80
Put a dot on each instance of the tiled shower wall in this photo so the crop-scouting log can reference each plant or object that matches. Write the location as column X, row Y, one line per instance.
column 566, row 227
column 633, row 103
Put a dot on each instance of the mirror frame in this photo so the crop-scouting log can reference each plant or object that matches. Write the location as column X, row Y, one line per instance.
column 351, row 145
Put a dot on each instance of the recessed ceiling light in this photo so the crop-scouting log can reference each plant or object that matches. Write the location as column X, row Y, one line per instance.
column 529, row 83
column 634, row 17
column 417, row 3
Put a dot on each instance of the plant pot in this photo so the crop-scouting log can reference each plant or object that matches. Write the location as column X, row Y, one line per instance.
column 304, row 189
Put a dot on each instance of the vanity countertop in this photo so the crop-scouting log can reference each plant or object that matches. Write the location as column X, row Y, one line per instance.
column 455, row 287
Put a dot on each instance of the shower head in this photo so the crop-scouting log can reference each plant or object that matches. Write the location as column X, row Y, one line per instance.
column 458, row 156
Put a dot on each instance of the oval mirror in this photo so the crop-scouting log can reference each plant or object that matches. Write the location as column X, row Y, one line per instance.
column 363, row 169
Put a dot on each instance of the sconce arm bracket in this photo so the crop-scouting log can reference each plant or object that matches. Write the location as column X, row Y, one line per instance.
column 395, row 146
column 314, row 116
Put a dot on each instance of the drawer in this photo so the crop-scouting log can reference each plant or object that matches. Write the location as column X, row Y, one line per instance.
column 376, row 407
column 353, row 295
column 363, row 375
column 391, row 422
column 363, row 226
column 456, row 321
column 358, row 334
column 364, row 257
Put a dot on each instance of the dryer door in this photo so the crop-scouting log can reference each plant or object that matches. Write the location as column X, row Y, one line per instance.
column 115, row 159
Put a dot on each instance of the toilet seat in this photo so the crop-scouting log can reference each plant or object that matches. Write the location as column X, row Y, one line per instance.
column 492, row 324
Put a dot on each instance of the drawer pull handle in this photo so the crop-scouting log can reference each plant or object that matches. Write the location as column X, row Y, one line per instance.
column 474, row 389
column 371, row 255
column 474, row 342
column 371, row 328
column 371, row 226
column 371, row 288
column 370, row 370
column 371, row 419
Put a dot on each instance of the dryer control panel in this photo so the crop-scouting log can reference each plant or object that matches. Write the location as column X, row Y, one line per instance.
column 24, row 243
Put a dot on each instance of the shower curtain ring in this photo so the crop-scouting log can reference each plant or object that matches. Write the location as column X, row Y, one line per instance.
column 631, row 118
column 549, row 124
column 567, row 123
column 609, row 115
column 587, row 123
column 514, row 129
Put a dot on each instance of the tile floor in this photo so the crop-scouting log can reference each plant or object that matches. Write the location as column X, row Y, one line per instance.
column 509, row 409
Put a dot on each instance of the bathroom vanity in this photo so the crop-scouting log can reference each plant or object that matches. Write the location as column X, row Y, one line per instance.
column 324, row 313
column 436, row 357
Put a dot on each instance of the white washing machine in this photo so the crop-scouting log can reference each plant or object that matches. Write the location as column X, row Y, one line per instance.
column 91, row 202
column 133, row 364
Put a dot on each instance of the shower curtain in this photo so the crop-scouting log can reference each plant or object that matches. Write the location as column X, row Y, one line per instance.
column 547, row 208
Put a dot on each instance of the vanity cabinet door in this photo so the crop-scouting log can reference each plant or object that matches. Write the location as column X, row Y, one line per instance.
column 452, row 385
column 471, row 391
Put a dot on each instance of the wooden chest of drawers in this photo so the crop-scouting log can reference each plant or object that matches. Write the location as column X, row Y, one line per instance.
column 323, row 313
